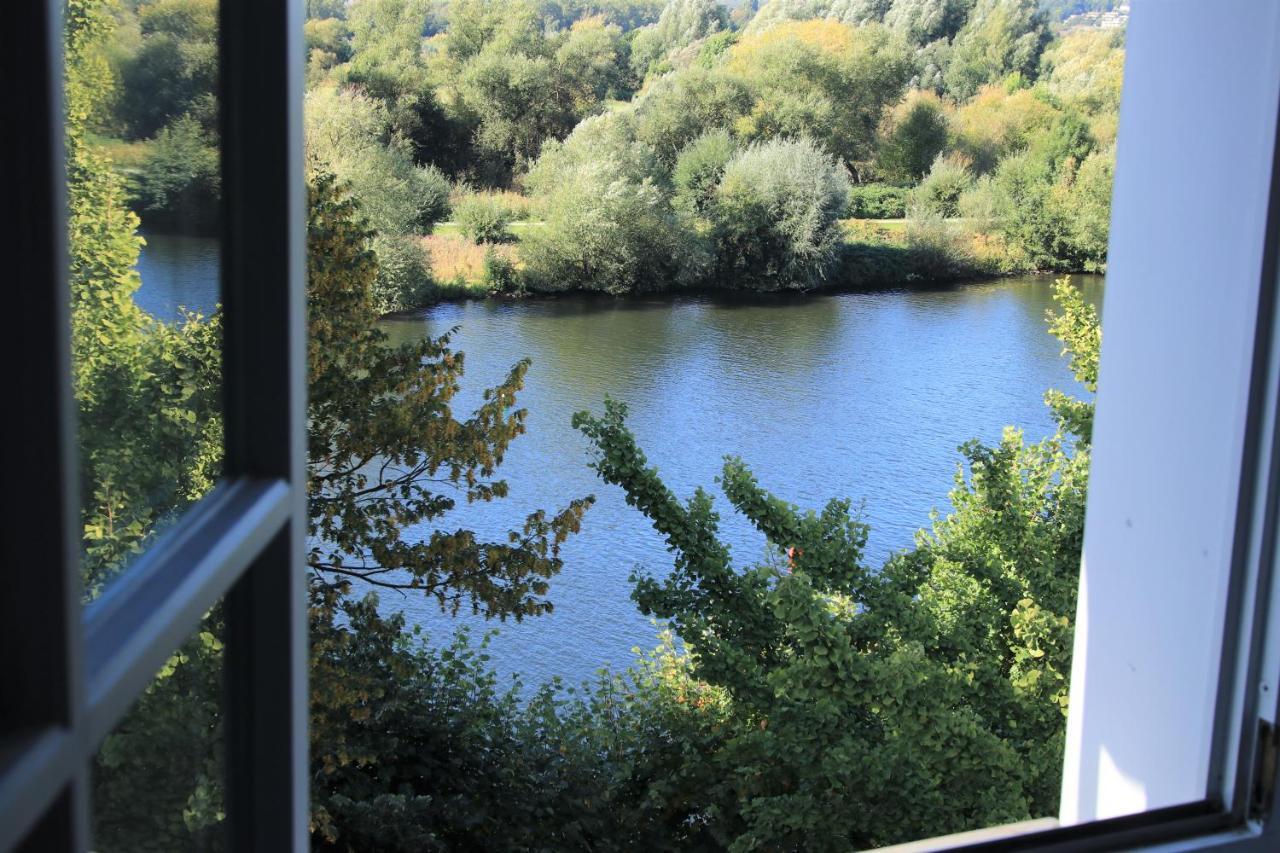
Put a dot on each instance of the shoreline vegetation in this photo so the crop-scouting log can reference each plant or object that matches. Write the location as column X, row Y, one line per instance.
column 876, row 255
column 632, row 147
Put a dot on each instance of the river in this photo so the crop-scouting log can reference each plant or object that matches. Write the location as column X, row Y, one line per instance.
column 859, row 395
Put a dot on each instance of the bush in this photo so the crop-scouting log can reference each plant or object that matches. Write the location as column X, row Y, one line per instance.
column 353, row 136
column 979, row 203
column 404, row 273
column 179, row 185
column 1090, row 203
column 912, row 136
column 518, row 207
column 500, row 274
column 937, row 252
column 868, row 705
column 699, row 169
column 610, row 225
column 877, row 201
column 775, row 217
column 482, row 219
column 608, row 233
column 939, row 193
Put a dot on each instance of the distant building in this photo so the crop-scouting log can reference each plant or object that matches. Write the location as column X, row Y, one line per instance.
column 1114, row 19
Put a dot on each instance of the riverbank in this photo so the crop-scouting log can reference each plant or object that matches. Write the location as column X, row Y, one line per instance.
column 876, row 254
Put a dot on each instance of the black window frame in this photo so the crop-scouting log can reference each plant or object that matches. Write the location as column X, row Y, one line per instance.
column 77, row 670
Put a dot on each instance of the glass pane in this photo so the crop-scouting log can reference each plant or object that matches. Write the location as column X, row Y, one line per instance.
column 143, row 189
column 158, row 777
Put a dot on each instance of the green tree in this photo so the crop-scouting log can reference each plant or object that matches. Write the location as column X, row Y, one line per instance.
column 387, row 453
column 383, row 442
column 866, row 707
column 912, row 136
column 175, row 70
column 179, row 186
column 824, row 80
column 682, row 23
column 678, row 108
column 1000, row 37
column 354, row 136
column 328, row 43
column 520, row 102
column 150, row 440
column 921, row 22
column 775, row 216
column 1056, row 218
column 699, row 169
column 592, row 63
column 147, row 393
column 388, row 63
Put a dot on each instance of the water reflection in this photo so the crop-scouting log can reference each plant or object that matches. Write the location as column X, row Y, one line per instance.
column 178, row 272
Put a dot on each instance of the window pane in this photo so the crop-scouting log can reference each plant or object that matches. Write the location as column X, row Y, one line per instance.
column 158, row 777
column 143, row 188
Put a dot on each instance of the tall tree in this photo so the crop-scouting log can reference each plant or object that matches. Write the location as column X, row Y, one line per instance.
column 1000, row 37
column 384, row 446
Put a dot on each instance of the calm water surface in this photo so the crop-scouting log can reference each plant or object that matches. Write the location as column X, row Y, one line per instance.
column 865, row 396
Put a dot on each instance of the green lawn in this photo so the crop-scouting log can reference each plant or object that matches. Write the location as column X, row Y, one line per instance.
column 453, row 229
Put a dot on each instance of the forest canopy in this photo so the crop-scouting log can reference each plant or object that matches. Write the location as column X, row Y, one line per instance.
column 981, row 124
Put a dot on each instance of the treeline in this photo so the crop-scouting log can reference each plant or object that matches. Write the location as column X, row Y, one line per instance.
column 654, row 146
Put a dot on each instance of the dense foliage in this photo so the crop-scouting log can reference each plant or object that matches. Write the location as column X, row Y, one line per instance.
column 385, row 452
column 810, row 701
column 972, row 107
column 865, row 706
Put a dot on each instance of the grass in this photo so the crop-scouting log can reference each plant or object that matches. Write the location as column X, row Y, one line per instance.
column 450, row 228
column 125, row 156
column 518, row 206
column 457, row 264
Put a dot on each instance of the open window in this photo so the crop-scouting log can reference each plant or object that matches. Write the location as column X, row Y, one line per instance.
column 78, row 670
column 1173, row 709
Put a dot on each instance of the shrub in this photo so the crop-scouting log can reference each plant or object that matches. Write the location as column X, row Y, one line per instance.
column 518, row 207
column 979, row 204
column 353, row 136
column 1090, row 203
column 455, row 258
column 912, row 136
column 699, row 169
column 404, row 276
column 501, row 274
column 937, row 252
column 939, row 193
column 775, row 216
column 180, row 183
column 607, row 227
column 611, row 235
column 877, row 201
column 482, row 219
